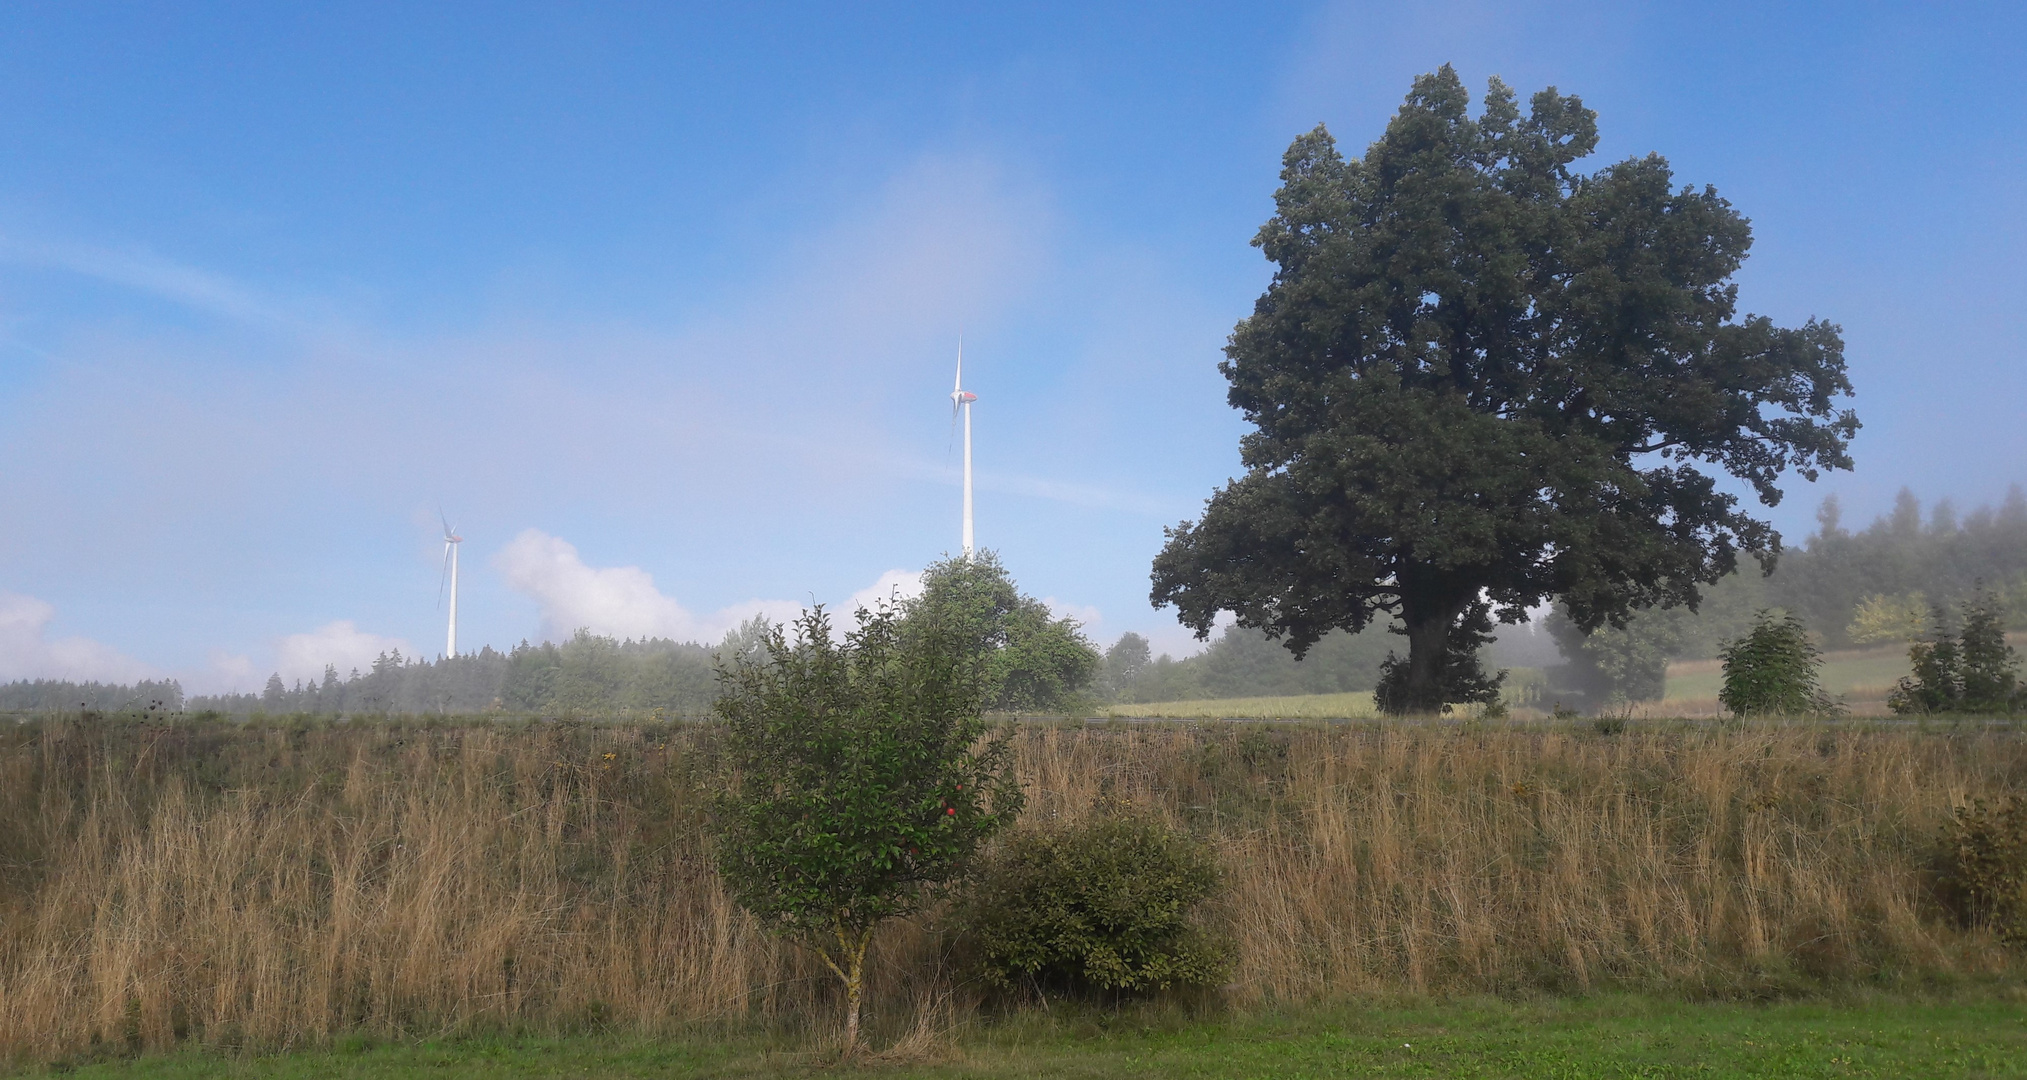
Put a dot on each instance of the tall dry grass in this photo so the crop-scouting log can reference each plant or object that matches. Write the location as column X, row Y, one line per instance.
column 276, row 885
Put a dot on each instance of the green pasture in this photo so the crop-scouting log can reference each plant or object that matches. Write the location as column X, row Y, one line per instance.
column 1856, row 675
column 1861, row 677
column 1350, row 706
column 1564, row 1039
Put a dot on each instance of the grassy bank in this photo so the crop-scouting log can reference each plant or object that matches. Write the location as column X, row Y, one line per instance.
column 1611, row 1037
column 290, row 885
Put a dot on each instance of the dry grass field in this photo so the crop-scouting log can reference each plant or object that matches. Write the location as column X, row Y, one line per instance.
column 284, row 884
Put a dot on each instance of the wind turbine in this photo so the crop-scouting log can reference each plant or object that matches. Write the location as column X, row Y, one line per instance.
column 960, row 400
column 450, row 542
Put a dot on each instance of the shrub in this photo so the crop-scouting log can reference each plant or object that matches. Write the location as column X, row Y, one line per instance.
column 1971, row 671
column 1990, row 669
column 1772, row 669
column 1104, row 904
column 863, row 776
column 1984, row 878
column 1936, row 683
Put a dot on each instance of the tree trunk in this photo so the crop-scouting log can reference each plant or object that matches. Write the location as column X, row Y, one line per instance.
column 853, row 972
column 1428, row 644
column 853, row 985
column 1429, row 612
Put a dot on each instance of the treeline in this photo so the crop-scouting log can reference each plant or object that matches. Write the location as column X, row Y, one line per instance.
column 1243, row 663
column 1035, row 663
column 57, row 695
column 1871, row 586
column 1876, row 586
column 588, row 675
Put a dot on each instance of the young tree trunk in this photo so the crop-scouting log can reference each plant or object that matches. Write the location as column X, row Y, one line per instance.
column 854, row 983
column 853, row 972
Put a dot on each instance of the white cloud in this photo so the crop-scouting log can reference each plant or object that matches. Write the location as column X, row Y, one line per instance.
column 230, row 673
column 339, row 644
column 1086, row 615
column 618, row 600
column 27, row 653
column 893, row 585
column 622, row 601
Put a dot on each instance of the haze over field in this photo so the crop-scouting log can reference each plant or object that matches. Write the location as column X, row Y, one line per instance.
column 660, row 306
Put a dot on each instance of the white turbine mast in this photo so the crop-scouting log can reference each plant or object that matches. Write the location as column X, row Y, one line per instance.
column 450, row 542
column 960, row 400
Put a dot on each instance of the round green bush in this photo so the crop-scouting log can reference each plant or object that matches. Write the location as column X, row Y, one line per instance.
column 1772, row 670
column 1104, row 904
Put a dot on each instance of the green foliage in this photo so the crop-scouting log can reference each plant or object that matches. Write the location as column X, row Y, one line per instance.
column 1989, row 671
column 1772, row 670
column 1904, row 561
column 1614, row 665
column 1974, row 670
column 1125, row 663
column 1480, row 374
column 1034, row 662
column 593, row 675
column 1104, row 904
column 862, row 776
column 1936, row 683
column 1880, row 618
column 1247, row 663
column 1984, row 875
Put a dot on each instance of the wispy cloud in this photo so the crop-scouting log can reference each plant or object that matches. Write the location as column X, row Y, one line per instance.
column 148, row 273
column 1072, row 492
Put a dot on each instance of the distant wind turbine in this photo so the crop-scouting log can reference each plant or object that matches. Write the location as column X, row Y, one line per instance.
column 960, row 400
column 450, row 542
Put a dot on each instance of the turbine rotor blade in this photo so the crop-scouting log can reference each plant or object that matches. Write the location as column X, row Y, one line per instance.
column 443, row 580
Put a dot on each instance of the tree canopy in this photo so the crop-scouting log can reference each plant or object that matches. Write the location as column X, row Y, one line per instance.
column 1034, row 661
column 1481, row 379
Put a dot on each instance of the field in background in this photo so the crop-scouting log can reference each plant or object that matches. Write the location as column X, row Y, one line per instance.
column 1353, row 706
column 1861, row 678
column 279, row 885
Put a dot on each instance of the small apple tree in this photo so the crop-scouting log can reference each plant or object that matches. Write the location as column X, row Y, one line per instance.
column 863, row 775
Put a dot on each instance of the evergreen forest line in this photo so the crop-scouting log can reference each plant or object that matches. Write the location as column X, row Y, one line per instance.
column 1848, row 587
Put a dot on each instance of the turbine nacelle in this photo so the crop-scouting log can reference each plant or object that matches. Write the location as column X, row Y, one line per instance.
column 962, row 397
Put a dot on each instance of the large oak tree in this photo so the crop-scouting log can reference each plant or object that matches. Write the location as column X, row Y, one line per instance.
column 1481, row 379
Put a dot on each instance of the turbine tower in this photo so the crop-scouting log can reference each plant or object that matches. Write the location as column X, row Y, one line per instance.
column 960, row 400
column 450, row 542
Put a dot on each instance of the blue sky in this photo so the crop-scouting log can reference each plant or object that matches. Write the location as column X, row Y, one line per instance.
column 659, row 303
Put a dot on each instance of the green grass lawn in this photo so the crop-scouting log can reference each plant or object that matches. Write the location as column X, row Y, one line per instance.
column 1606, row 1037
